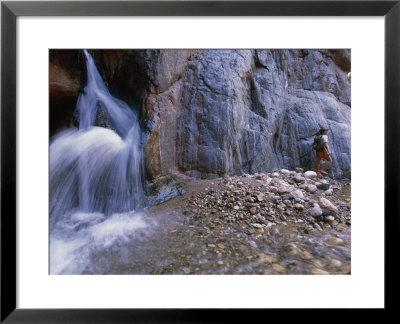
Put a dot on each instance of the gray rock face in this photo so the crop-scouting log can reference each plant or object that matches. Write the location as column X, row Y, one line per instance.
column 231, row 111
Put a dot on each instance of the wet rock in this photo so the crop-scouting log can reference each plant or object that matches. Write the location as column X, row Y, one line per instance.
column 317, row 271
column 278, row 268
column 162, row 190
column 336, row 241
column 299, row 170
column 306, row 255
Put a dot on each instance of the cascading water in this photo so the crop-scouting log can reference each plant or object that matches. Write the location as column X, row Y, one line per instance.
column 95, row 178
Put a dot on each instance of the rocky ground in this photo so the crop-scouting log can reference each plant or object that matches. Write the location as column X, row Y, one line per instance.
column 286, row 222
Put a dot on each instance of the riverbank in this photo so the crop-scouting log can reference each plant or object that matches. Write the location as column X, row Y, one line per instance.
column 285, row 222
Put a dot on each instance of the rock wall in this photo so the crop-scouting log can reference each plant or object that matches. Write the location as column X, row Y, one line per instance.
column 230, row 111
column 206, row 113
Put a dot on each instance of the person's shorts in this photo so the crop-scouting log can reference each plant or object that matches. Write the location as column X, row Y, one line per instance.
column 323, row 155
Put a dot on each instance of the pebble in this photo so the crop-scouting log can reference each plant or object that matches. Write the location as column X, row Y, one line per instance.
column 278, row 268
column 318, row 271
column 336, row 263
column 316, row 211
column 299, row 170
column 310, row 174
column 324, row 186
column 330, row 218
column 284, row 189
column 326, row 212
column 312, row 188
column 317, row 227
column 287, row 197
column 260, row 197
column 335, row 241
column 298, row 178
column 268, row 258
column 306, row 255
column 299, row 207
column 297, row 194
column 325, row 203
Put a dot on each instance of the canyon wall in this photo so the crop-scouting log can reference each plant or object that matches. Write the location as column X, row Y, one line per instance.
column 206, row 113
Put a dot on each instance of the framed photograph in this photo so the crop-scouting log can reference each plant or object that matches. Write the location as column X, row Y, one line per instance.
column 163, row 158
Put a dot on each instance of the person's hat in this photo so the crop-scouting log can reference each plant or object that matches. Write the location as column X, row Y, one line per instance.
column 324, row 129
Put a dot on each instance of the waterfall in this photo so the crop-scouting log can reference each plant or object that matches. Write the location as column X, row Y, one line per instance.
column 95, row 175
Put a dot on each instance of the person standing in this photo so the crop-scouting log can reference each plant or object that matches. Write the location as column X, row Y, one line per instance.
column 321, row 146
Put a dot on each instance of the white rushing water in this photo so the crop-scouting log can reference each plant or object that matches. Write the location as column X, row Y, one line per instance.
column 95, row 178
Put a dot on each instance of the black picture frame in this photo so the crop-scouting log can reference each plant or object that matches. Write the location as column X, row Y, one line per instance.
column 11, row 10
